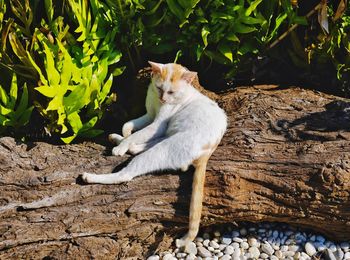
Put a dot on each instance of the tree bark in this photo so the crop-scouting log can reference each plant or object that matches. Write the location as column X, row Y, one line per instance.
column 285, row 157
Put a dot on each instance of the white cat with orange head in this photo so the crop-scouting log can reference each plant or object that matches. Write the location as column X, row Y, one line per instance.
column 182, row 127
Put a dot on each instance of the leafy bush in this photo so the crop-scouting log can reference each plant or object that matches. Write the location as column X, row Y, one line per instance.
column 67, row 52
column 14, row 111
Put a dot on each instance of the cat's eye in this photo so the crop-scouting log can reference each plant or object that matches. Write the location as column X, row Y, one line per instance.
column 170, row 92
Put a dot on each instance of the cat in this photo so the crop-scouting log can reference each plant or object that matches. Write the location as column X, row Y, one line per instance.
column 182, row 127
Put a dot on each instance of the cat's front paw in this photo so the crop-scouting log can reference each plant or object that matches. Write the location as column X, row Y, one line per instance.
column 127, row 129
column 120, row 150
column 115, row 138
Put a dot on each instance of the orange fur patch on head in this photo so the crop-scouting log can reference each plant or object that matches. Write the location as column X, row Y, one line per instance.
column 177, row 72
column 164, row 73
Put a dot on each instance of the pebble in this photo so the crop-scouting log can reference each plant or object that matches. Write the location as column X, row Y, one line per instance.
column 225, row 257
column 339, row 254
column 345, row 246
column 213, row 244
column 229, row 250
column 206, row 242
column 244, row 245
column 253, row 242
column 153, row 257
column 191, row 248
column 254, row 252
column 329, row 255
column 266, row 247
column 181, row 255
column 169, row 256
column 203, row 252
column 310, row 249
column 264, row 256
column 237, row 239
column 226, row 240
column 191, row 257
column 347, row 255
column 235, row 245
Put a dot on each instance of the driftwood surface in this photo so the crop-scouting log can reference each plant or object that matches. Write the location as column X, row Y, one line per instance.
column 285, row 158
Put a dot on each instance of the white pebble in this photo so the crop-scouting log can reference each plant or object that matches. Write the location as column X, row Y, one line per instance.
column 297, row 255
column 244, row 245
column 222, row 247
column 213, row 244
column 169, row 256
column 339, row 254
column 254, row 252
column 199, row 239
column 304, row 255
column 253, row 242
column 181, row 255
column 273, row 257
column 266, row 247
column 219, row 254
column 310, row 249
column 279, row 254
column 275, row 234
column 203, row 252
column 347, row 255
column 191, row 248
column 226, row 240
column 191, row 257
column 216, row 251
column 229, row 250
column 153, row 257
column 293, row 248
column 235, row 245
column 288, row 253
column 225, row 257
column 237, row 239
column 236, row 253
column 264, row 256
column 206, row 242
column 211, row 249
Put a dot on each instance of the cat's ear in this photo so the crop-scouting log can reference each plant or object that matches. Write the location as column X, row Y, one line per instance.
column 189, row 76
column 156, row 67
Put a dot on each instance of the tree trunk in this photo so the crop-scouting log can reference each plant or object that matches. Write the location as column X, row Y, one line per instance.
column 285, row 158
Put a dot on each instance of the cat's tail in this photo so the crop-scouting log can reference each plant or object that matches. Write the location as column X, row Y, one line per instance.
column 196, row 200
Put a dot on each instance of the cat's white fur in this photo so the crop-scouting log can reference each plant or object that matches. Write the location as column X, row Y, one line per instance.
column 181, row 127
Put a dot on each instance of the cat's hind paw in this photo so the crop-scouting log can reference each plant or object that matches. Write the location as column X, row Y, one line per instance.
column 127, row 129
column 186, row 244
column 86, row 177
column 115, row 138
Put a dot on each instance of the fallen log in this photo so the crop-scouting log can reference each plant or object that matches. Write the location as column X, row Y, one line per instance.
column 285, row 158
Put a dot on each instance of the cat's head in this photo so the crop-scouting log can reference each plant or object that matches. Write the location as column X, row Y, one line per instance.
column 172, row 81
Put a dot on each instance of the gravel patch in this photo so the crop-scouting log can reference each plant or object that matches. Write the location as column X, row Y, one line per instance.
column 259, row 241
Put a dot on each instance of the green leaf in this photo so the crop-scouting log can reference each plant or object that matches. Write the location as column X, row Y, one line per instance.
column 25, row 117
column 69, row 139
column 47, row 91
column 52, row 74
column 241, row 28
column 252, row 7
column 232, row 37
column 5, row 111
column 75, row 122
column 118, row 71
column 225, row 50
column 106, row 89
column 23, row 103
column 176, row 9
column 13, row 92
column 3, row 96
column 205, row 33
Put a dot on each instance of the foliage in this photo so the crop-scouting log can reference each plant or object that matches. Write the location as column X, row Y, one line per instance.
column 14, row 110
column 67, row 52
column 73, row 73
